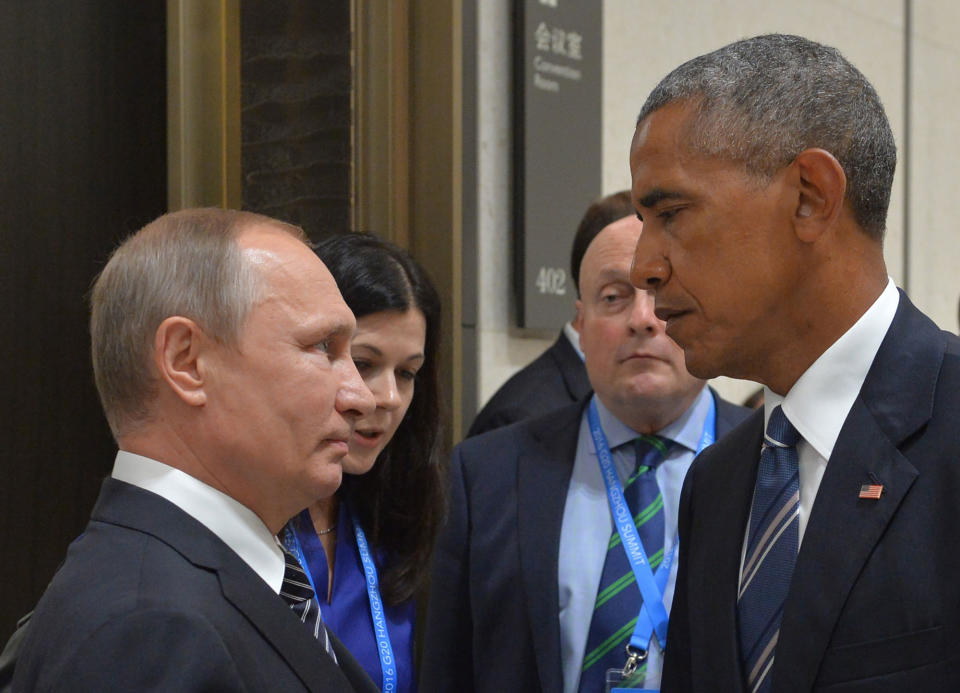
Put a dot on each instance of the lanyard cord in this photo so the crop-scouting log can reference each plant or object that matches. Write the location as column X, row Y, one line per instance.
column 653, row 615
column 388, row 667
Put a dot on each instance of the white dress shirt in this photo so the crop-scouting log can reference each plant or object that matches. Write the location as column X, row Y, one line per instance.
column 574, row 338
column 587, row 526
column 818, row 403
column 234, row 523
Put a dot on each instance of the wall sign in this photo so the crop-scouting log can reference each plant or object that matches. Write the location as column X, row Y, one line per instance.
column 557, row 148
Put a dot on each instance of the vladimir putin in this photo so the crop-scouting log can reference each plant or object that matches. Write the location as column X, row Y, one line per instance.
column 221, row 354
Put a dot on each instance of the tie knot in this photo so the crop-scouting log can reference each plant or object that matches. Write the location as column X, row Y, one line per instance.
column 780, row 432
column 296, row 585
column 650, row 450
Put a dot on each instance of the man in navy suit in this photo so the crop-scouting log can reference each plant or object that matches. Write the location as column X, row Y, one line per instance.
column 519, row 565
column 221, row 354
column 557, row 377
column 763, row 172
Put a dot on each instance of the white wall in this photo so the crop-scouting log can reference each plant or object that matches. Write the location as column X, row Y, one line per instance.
column 501, row 350
column 644, row 40
column 934, row 252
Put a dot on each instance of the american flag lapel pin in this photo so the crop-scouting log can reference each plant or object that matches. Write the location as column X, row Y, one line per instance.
column 873, row 490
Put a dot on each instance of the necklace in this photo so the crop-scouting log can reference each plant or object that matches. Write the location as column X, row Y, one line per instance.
column 321, row 532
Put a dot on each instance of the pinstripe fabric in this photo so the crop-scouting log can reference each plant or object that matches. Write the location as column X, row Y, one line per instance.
column 771, row 553
column 297, row 592
column 618, row 597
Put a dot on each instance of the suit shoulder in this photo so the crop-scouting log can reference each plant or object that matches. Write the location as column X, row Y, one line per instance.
column 745, row 425
column 535, row 389
column 540, row 374
column 144, row 573
column 109, row 654
column 119, row 584
column 728, row 413
column 946, row 404
column 507, row 438
column 520, row 437
column 952, row 352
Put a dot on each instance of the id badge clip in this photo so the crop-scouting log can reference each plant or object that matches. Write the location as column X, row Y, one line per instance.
column 627, row 679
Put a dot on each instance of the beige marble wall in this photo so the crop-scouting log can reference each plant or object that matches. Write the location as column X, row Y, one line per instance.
column 643, row 41
column 501, row 349
column 642, row 46
column 934, row 257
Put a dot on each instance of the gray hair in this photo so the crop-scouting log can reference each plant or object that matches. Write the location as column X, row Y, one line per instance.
column 187, row 263
column 761, row 101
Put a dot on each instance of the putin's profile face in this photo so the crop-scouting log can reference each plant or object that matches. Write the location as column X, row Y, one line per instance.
column 286, row 397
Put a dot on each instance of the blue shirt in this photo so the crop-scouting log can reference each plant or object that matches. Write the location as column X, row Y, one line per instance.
column 347, row 614
column 587, row 525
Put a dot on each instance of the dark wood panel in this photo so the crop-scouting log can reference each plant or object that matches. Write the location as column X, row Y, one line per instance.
column 295, row 119
column 83, row 151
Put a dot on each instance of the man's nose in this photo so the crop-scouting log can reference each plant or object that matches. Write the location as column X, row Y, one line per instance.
column 650, row 266
column 642, row 316
column 354, row 397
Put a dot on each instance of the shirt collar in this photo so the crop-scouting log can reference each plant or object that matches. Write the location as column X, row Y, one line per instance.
column 574, row 338
column 818, row 403
column 686, row 430
column 234, row 523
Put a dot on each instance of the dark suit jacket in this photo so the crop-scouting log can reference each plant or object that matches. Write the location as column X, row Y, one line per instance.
column 554, row 379
column 874, row 604
column 150, row 599
column 492, row 623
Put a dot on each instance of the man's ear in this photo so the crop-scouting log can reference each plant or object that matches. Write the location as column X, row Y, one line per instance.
column 177, row 347
column 822, row 187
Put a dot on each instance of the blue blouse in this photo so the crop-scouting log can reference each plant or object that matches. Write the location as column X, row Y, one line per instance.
column 348, row 612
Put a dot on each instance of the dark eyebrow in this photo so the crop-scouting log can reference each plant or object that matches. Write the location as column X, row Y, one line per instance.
column 656, row 196
column 374, row 349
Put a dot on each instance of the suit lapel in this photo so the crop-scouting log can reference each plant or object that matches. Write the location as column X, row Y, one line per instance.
column 839, row 538
column 352, row 669
column 895, row 401
column 141, row 510
column 723, row 494
column 543, row 477
column 294, row 643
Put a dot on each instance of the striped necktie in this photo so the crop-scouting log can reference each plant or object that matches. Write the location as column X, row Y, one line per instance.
column 297, row 592
column 618, row 596
column 771, row 553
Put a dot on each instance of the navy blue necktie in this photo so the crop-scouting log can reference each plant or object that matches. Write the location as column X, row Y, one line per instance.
column 618, row 596
column 772, row 545
column 298, row 594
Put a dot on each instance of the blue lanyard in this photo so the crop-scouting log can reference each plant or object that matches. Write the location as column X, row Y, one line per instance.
column 653, row 614
column 388, row 665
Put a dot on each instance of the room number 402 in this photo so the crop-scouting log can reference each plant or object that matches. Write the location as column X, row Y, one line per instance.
column 552, row 280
